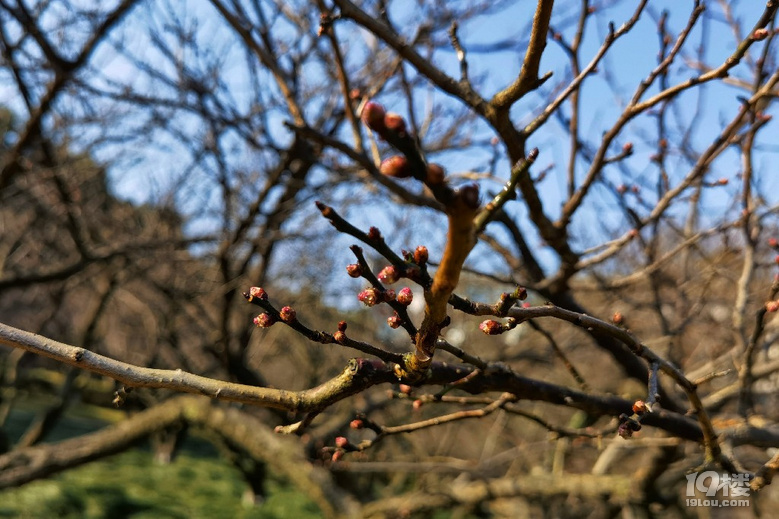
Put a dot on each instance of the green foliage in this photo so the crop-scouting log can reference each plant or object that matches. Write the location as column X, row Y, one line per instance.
column 132, row 485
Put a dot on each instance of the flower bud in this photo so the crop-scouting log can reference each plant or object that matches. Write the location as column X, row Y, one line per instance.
column 469, row 194
column 374, row 233
column 395, row 123
column 772, row 306
column 257, row 292
column 342, row 326
column 339, row 336
column 337, row 455
column 617, row 318
column 405, row 296
column 417, row 404
column 627, row 148
column 491, row 327
column 773, row 242
column 287, row 314
column 420, row 255
column 521, row 293
column 356, row 424
column 373, row 116
column 354, row 270
column 341, row 442
column 396, row 166
column 435, row 175
column 760, row 34
column 369, row 296
column 394, row 321
column 264, row 320
column 405, row 389
column 640, row 407
column 388, row 275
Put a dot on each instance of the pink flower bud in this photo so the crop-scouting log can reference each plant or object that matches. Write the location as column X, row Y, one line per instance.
column 435, row 174
column 405, row 389
column 622, row 189
column 388, row 275
column 395, row 123
column 627, row 148
column 394, row 321
column 258, row 292
column 405, row 296
column 264, row 320
column 491, row 327
column 417, row 404
column 373, row 116
column 369, row 296
column 760, row 34
column 287, row 314
column 420, row 255
column 354, row 270
column 396, row 166
column 772, row 306
column 356, row 424
column 341, row 442
column 337, row 455
column 617, row 318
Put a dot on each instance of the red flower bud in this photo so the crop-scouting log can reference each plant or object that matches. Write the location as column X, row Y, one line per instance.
column 760, row 34
column 373, row 116
column 354, row 270
column 417, row 404
column 405, row 296
column 264, row 320
column 356, row 424
column 773, row 242
column 388, row 275
column 435, row 175
column 772, row 306
column 369, row 296
column 420, row 255
column 394, row 321
column 258, row 293
column 491, row 327
column 405, row 389
column 627, row 148
column 341, row 442
column 640, row 407
column 339, row 336
column 396, row 166
column 287, row 314
column 395, row 123
column 342, row 326
column 617, row 318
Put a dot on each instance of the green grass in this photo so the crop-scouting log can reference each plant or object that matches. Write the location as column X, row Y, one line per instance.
column 132, row 485
column 198, row 484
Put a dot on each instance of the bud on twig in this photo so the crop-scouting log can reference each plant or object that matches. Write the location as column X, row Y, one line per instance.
column 395, row 123
column 287, row 314
column 420, row 255
column 405, row 296
column 396, row 166
column 435, row 175
column 257, row 292
column 388, row 275
column 354, row 270
column 491, row 327
column 394, row 321
column 264, row 320
column 373, row 116
column 369, row 297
